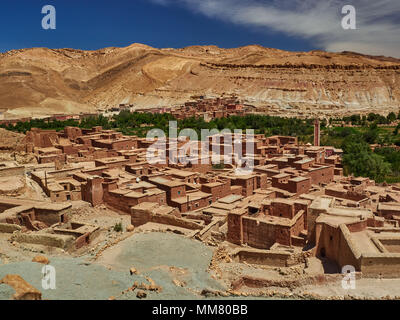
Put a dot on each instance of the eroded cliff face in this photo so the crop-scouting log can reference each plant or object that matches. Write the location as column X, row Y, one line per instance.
column 45, row 81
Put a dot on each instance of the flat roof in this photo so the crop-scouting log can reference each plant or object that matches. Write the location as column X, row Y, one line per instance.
column 231, row 198
column 192, row 197
column 166, row 182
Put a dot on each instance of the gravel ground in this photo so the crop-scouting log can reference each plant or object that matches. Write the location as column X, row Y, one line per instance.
column 153, row 254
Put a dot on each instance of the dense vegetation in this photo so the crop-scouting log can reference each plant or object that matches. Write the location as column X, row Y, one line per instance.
column 380, row 164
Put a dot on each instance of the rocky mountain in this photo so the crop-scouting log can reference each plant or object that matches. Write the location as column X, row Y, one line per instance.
column 46, row 81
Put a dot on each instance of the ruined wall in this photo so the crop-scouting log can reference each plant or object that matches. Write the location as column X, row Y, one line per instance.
column 12, row 171
column 235, row 228
column 46, row 239
column 381, row 265
column 171, row 220
column 337, row 245
column 9, row 228
column 50, row 217
column 264, row 257
column 92, row 191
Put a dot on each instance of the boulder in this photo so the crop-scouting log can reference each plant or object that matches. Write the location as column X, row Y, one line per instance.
column 141, row 294
column 41, row 259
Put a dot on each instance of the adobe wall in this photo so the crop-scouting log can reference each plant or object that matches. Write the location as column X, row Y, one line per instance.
column 218, row 192
column 338, row 245
column 86, row 238
column 262, row 257
column 381, row 265
column 345, row 194
column 206, row 232
column 312, row 216
column 298, row 227
column 12, row 171
column 72, row 132
column 9, row 228
column 92, row 191
column 321, row 175
column 120, row 202
column 140, row 217
column 299, row 187
column 46, row 239
column 253, row 282
column 248, row 185
column 192, row 205
column 235, row 229
column 49, row 216
column 282, row 209
column 175, row 221
column 263, row 235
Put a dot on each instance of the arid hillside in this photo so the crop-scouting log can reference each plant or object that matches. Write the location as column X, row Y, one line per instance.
column 45, row 81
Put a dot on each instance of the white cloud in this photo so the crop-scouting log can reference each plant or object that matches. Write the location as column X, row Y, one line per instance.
column 378, row 22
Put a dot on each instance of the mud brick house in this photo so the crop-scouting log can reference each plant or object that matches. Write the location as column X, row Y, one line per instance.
column 389, row 210
column 38, row 138
column 248, row 183
column 82, row 232
column 192, row 201
column 318, row 153
column 34, row 215
column 280, row 221
column 281, row 140
column 320, row 174
column 174, row 189
column 218, row 189
column 115, row 144
column 295, row 185
column 352, row 236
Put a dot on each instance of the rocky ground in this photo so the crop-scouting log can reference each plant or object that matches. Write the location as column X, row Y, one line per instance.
column 76, row 80
column 163, row 262
column 154, row 263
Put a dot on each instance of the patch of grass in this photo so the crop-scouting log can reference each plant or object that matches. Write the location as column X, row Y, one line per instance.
column 118, row 227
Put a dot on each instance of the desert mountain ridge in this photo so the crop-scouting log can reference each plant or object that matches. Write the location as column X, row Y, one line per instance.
column 41, row 81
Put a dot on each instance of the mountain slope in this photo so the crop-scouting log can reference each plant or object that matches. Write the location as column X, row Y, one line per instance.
column 42, row 81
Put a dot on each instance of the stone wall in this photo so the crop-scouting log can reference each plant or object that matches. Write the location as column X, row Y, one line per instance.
column 9, row 228
column 46, row 239
column 12, row 171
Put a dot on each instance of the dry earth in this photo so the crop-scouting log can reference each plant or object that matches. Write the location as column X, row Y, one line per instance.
column 43, row 81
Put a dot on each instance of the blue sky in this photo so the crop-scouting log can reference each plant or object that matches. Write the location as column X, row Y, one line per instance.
column 297, row 25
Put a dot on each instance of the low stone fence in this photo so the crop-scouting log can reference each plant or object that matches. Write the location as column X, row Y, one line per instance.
column 267, row 257
column 46, row 239
column 9, row 228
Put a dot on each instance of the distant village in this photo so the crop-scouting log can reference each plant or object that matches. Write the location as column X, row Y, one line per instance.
column 200, row 107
